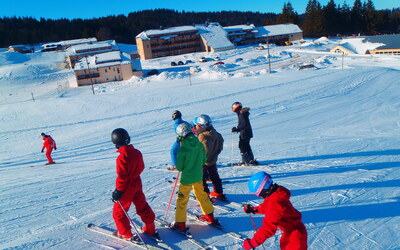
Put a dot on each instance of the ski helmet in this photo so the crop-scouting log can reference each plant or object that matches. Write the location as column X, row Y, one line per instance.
column 236, row 106
column 120, row 137
column 183, row 130
column 258, row 182
column 176, row 114
column 203, row 121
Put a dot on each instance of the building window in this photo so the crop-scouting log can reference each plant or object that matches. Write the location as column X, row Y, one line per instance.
column 105, row 70
column 118, row 70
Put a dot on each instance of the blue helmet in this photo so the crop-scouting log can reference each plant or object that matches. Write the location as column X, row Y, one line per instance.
column 203, row 121
column 258, row 182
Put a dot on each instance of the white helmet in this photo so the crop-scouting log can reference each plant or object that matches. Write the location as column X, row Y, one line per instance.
column 183, row 130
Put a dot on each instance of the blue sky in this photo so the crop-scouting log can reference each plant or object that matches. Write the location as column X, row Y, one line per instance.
column 98, row 8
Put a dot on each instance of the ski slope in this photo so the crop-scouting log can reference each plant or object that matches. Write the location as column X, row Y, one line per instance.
column 331, row 135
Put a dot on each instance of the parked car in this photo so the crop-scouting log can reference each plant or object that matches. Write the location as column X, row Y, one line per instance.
column 189, row 61
column 238, row 59
column 260, row 48
column 173, row 64
column 217, row 58
column 180, row 63
column 219, row 63
column 202, row 59
column 152, row 72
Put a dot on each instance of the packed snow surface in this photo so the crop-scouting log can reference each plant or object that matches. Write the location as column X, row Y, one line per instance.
column 330, row 134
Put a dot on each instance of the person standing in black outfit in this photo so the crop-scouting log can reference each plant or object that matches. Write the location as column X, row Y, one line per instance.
column 246, row 133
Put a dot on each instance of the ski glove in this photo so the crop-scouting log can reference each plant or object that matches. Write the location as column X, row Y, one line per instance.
column 42, row 150
column 116, row 195
column 234, row 129
column 247, row 208
column 55, row 148
column 249, row 244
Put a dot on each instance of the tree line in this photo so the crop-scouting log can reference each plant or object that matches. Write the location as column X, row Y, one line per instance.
column 318, row 20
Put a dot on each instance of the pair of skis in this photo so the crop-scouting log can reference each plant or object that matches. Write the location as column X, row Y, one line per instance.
column 135, row 241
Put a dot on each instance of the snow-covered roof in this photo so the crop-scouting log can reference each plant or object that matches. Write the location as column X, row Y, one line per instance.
column 387, row 41
column 165, row 33
column 215, row 35
column 102, row 60
column 360, row 44
column 237, row 28
column 98, row 46
column 279, row 29
column 70, row 42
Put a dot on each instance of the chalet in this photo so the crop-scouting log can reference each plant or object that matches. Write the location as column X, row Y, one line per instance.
column 106, row 67
column 168, row 42
column 77, row 52
column 344, row 48
column 391, row 45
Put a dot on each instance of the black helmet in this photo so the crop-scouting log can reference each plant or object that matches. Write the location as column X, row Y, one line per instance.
column 176, row 114
column 120, row 137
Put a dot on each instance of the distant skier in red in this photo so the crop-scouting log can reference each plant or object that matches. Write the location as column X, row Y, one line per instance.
column 49, row 144
column 279, row 213
column 128, row 186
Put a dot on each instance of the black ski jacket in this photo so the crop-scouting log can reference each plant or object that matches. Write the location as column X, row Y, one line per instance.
column 244, row 126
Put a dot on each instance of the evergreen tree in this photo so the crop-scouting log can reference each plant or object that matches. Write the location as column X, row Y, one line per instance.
column 313, row 21
column 357, row 17
column 288, row 15
column 331, row 18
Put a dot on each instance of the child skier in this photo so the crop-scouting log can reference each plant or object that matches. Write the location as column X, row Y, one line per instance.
column 128, row 186
column 177, row 118
column 279, row 213
column 190, row 159
column 213, row 144
column 49, row 144
column 246, row 133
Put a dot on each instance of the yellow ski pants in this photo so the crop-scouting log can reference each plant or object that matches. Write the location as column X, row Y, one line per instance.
column 183, row 198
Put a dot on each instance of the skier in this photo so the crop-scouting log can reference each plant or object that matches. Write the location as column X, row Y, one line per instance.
column 279, row 213
column 177, row 118
column 190, row 159
column 246, row 133
column 213, row 144
column 49, row 144
column 128, row 186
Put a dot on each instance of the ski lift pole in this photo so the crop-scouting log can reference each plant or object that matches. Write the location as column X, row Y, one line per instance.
column 133, row 224
column 172, row 195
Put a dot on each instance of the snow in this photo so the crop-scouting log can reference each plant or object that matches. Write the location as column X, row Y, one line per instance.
column 165, row 31
column 332, row 137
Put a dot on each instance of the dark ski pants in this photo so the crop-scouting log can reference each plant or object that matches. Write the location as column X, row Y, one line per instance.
column 135, row 195
column 245, row 150
column 212, row 173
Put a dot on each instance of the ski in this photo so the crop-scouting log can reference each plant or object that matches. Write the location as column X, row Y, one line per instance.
column 110, row 233
column 216, row 225
column 215, row 200
column 252, row 165
column 186, row 234
column 156, row 238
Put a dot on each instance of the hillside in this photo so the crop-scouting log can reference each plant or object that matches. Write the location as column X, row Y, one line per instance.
column 331, row 136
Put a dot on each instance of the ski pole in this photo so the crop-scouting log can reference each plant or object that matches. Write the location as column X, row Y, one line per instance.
column 255, row 227
column 172, row 195
column 133, row 224
column 233, row 146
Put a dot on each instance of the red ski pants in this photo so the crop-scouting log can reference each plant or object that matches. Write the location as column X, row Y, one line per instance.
column 48, row 154
column 135, row 195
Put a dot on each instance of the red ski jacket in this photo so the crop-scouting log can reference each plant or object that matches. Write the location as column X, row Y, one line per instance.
column 129, row 167
column 48, row 143
column 280, row 213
